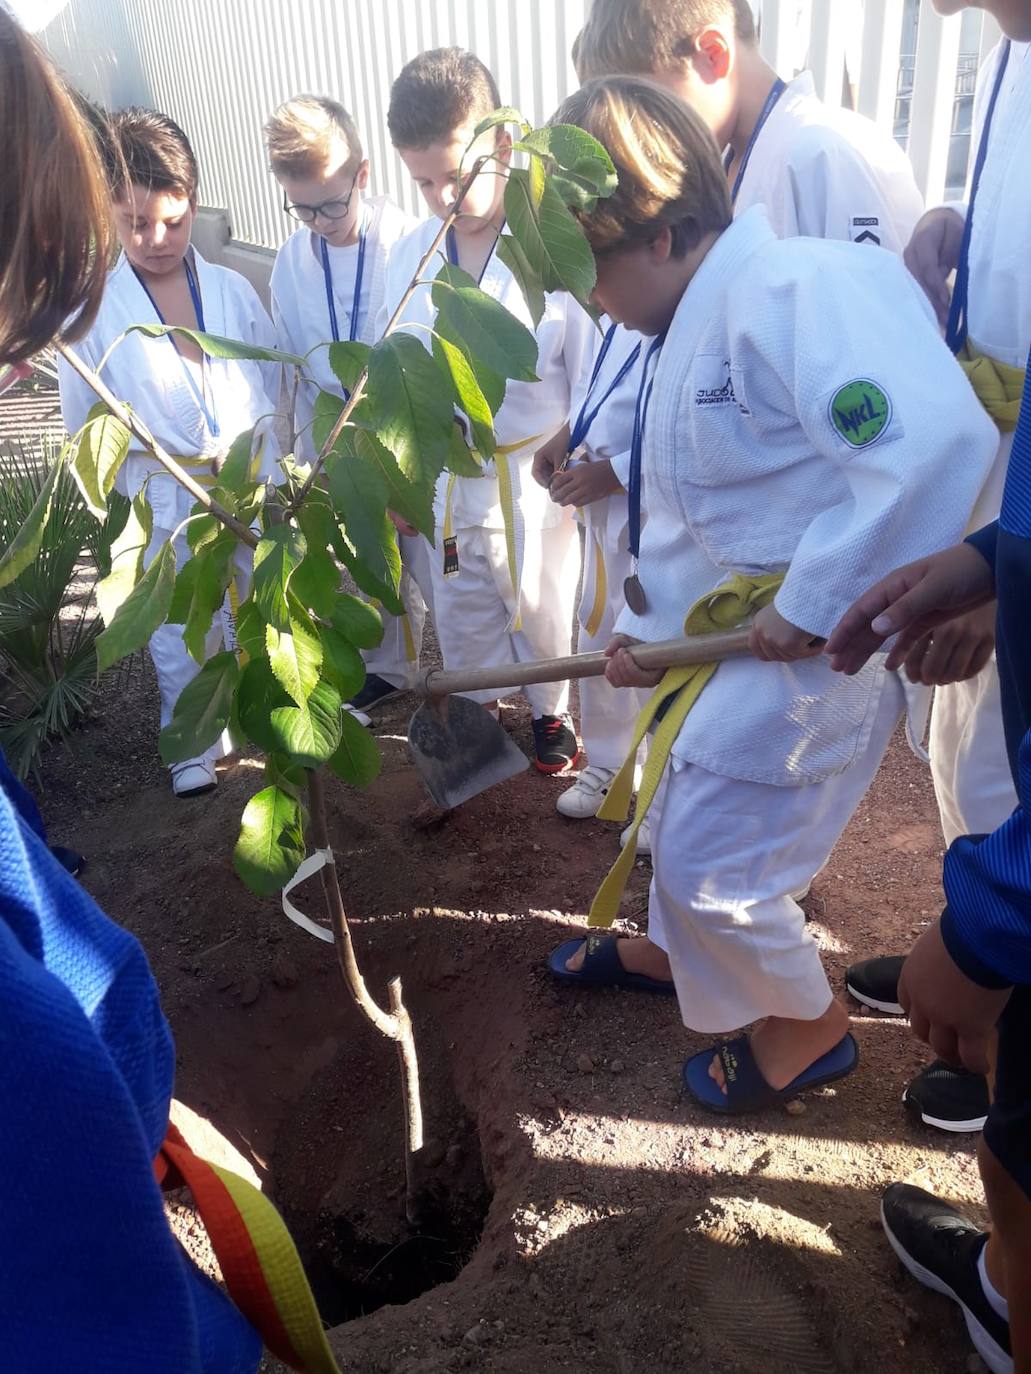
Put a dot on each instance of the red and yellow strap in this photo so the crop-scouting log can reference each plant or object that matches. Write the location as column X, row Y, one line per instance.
column 260, row 1264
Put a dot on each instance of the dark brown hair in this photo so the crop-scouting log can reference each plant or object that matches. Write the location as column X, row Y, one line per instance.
column 149, row 149
column 666, row 159
column 55, row 230
column 436, row 93
column 644, row 36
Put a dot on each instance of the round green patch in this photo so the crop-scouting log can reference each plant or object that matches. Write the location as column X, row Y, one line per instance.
column 860, row 412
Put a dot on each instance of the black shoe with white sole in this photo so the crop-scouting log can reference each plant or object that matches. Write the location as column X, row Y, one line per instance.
column 376, row 691
column 875, row 983
column 947, row 1097
column 941, row 1249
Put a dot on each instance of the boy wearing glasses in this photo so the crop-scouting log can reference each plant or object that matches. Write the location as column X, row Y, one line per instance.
column 327, row 286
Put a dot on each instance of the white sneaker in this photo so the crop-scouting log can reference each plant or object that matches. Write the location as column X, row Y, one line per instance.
column 586, row 795
column 644, row 837
column 193, row 777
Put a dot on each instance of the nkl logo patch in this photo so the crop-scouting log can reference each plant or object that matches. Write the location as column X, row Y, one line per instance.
column 860, row 412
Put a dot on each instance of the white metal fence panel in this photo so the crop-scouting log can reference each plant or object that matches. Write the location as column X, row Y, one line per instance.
column 221, row 66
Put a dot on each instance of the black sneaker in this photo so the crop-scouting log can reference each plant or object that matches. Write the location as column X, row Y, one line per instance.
column 947, row 1097
column 941, row 1248
column 875, row 983
column 375, row 692
column 555, row 744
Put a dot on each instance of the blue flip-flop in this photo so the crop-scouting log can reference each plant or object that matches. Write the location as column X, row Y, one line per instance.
column 603, row 968
column 747, row 1090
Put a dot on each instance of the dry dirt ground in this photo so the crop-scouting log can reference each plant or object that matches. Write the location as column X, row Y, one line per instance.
column 583, row 1216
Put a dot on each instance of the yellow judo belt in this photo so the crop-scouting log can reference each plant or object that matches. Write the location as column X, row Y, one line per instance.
column 999, row 387
column 727, row 606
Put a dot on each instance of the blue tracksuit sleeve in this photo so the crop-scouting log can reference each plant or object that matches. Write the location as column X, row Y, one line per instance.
column 985, row 541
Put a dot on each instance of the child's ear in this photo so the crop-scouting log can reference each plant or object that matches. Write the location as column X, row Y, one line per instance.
column 361, row 177
column 503, row 146
column 660, row 248
column 712, row 55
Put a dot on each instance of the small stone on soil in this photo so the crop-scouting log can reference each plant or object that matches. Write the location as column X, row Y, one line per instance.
column 476, row 1335
column 224, row 981
column 616, row 1066
column 250, row 990
column 796, row 1107
column 584, row 1064
column 284, row 971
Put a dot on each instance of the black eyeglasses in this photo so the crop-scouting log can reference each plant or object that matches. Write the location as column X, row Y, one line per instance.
column 329, row 209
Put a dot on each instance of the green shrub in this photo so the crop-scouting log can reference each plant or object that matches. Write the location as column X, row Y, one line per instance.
column 48, row 617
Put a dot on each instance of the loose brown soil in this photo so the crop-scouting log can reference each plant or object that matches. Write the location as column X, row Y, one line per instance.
column 584, row 1217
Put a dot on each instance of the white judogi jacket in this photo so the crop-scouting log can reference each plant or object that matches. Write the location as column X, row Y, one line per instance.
column 149, row 374
column 300, row 310
column 806, row 416
column 830, row 173
column 999, row 291
column 531, row 411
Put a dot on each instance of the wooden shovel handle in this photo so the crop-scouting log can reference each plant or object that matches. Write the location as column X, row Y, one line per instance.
column 666, row 653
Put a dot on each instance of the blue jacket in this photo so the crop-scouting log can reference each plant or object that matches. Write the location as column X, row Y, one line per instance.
column 987, row 923
column 91, row 1277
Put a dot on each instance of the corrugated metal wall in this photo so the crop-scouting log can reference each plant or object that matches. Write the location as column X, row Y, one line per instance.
column 221, row 66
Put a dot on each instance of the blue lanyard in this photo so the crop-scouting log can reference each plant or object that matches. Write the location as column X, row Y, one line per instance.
column 359, row 272
column 198, row 310
column 956, row 328
column 776, row 91
column 452, row 251
column 644, row 395
column 587, row 417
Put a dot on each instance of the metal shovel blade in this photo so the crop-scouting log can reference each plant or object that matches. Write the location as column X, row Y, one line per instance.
column 460, row 749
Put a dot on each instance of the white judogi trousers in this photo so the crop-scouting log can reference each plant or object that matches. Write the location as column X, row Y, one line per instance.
column 972, row 779
column 173, row 664
column 726, row 855
column 474, row 608
column 607, row 714
column 396, row 657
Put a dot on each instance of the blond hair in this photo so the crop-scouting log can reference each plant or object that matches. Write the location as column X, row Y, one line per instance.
column 668, row 166
column 645, row 36
column 303, row 134
column 55, row 228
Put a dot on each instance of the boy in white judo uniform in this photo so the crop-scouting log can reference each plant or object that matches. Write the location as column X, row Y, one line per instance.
column 195, row 406
column 328, row 283
column 507, row 591
column 802, row 425
column 817, row 171
column 987, row 242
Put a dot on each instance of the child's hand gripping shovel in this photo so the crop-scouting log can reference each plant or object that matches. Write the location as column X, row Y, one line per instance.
column 461, row 750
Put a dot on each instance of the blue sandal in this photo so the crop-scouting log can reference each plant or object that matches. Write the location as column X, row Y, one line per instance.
column 603, row 968
column 747, row 1090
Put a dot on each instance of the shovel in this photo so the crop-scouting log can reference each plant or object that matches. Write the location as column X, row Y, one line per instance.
column 459, row 748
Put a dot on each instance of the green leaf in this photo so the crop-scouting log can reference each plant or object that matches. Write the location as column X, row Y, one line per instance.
column 481, row 326
column 142, row 611
column 98, row 451
column 216, row 346
column 383, row 588
column 310, row 734
column 573, row 151
column 551, row 238
column 250, row 630
column 358, row 498
column 341, row 662
column 202, row 711
column 461, row 460
column 511, row 253
column 200, row 590
column 413, row 501
column 317, row 581
column 281, row 771
column 348, row 360
column 25, row 545
column 295, row 655
column 411, row 410
column 357, row 758
column 467, row 392
column 126, row 558
column 270, row 849
column 504, row 114
column 278, row 553
column 258, row 696
column 357, row 621
column 240, row 470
